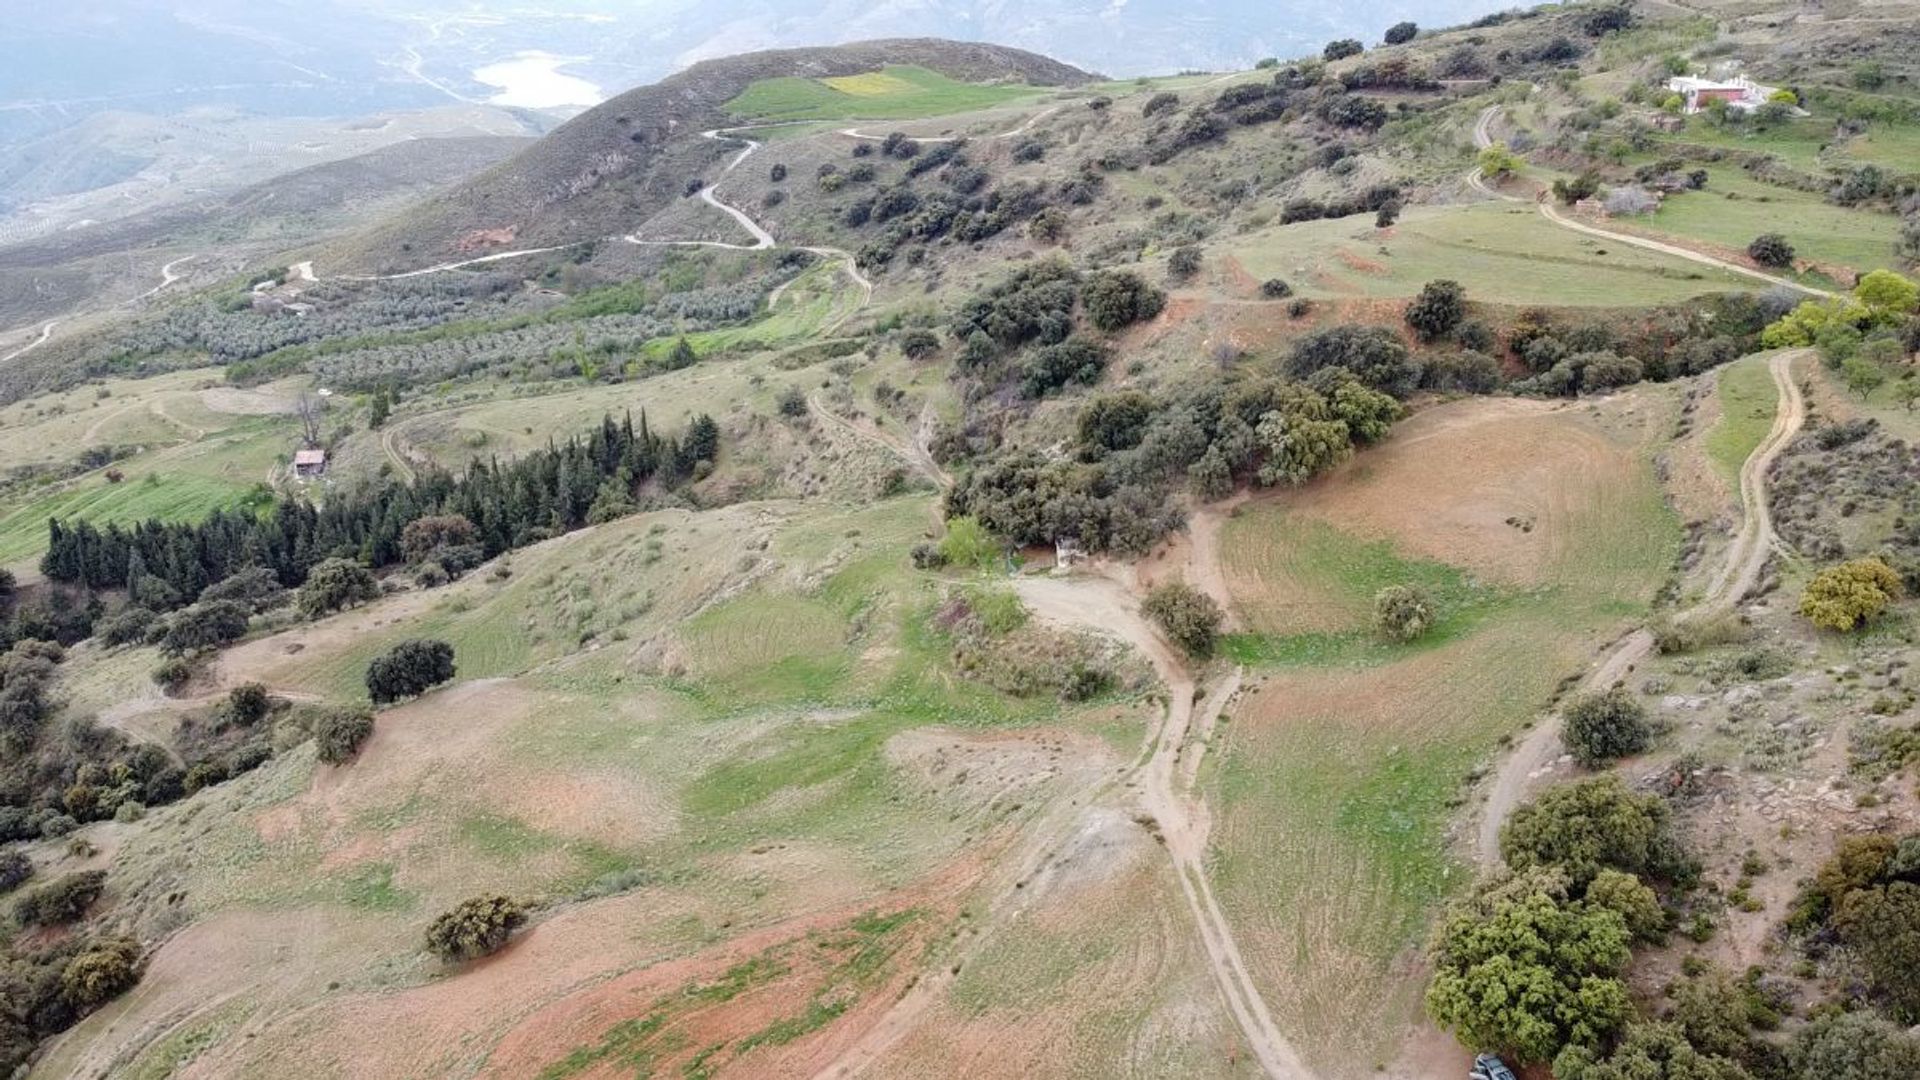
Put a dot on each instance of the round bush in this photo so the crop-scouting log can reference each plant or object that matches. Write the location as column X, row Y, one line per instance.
column 1600, row 728
column 409, row 668
column 477, row 927
column 1402, row 613
column 101, row 973
column 1771, row 249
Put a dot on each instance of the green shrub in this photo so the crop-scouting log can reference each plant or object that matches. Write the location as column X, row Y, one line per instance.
column 1846, row 596
column 1604, row 727
column 338, row 734
column 334, row 584
column 1189, row 616
column 61, row 901
column 1402, row 613
column 409, row 668
column 1595, row 825
column 172, row 673
column 477, row 927
column 15, row 869
column 968, row 544
column 103, row 971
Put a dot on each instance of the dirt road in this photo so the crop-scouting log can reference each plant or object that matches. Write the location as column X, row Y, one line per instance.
column 389, row 442
column 1746, row 561
column 912, row 452
column 1025, row 126
column 45, row 333
column 1483, row 138
column 1103, row 605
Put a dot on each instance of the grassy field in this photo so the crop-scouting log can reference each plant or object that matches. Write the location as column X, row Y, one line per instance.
column 173, row 484
column 1797, row 142
column 182, row 445
column 1748, row 402
column 1345, row 766
column 1501, row 253
column 1808, row 143
column 895, row 93
column 676, row 729
column 1734, row 209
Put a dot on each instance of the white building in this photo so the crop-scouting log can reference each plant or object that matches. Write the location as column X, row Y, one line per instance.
column 1739, row 92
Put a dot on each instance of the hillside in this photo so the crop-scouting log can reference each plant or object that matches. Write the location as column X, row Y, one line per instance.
column 912, row 560
column 623, row 161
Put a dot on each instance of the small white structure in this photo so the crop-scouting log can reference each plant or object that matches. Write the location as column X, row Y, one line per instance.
column 1739, row 93
column 309, row 463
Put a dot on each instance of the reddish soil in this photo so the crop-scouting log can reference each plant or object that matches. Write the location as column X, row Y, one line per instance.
column 1359, row 262
column 481, row 239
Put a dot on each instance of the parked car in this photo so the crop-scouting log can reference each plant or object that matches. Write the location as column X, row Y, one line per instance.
column 1490, row 1067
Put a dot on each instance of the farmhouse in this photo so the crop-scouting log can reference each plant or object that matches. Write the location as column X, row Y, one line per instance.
column 1739, row 93
column 309, row 463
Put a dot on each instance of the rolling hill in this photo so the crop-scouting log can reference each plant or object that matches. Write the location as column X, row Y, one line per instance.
column 625, row 160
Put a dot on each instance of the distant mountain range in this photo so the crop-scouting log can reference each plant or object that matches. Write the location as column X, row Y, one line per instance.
column 1117, row 37
column 351, row 57
column 219, row 65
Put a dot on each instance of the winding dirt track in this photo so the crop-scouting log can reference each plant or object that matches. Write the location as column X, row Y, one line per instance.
column 1483, row 138
column 1746, row 561
column 1025, row 126
column 914, row 453
column 45, row 333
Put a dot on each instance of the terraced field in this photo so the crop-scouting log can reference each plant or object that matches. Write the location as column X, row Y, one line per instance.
column 899, row 92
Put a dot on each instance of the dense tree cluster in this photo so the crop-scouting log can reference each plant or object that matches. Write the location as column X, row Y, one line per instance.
column 48, row 988
column 1371, row 201
column 965, row 205
column 1866, row 899
column 1134, row 448
column 509, row 504
column 1531, row 964
column 1665, row 343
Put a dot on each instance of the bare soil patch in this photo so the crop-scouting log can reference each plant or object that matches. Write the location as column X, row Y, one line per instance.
column 1490, row 485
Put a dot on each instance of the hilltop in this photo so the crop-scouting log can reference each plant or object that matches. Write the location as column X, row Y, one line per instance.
column 623, row 161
